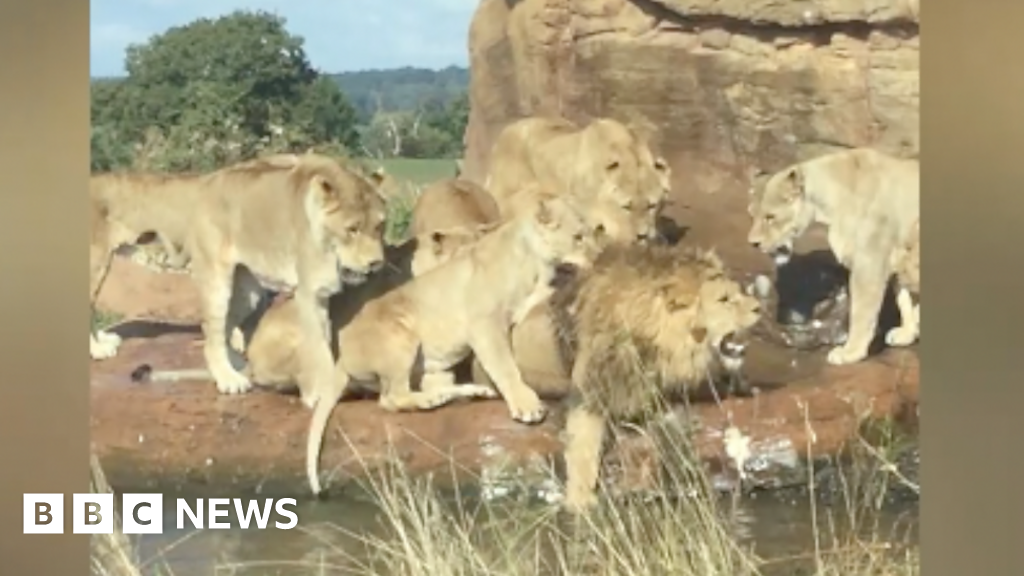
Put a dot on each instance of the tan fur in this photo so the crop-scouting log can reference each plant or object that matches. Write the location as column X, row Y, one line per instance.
column 452, row 203
column 156, row 209
column 641, row 324
column 871, row 204
column 273, row 354
column 604, row 167
column 467, row 305
column 450, row 206
column 303, row 229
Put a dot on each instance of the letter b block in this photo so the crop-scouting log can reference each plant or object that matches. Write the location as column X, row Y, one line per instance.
column 44, row 513
column 93, row 514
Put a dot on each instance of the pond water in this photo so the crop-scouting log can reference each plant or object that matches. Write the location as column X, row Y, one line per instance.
column 778, row 524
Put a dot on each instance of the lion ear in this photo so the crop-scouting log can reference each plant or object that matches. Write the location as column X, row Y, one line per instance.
column 378, row 176
column 437, row 242
column 545, row 216
column 325, row 194
column 675, row 302
column 795, row 180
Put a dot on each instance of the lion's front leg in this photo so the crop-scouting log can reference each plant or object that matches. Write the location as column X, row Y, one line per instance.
column 907, row 332
column 216, row 282
column 584, row 440
column 493, row 348
column 868, row 281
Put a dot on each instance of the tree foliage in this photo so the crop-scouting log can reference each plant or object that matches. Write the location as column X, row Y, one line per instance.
column 219, row 90
column 215, row 91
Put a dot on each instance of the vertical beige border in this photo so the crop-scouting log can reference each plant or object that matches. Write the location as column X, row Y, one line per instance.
column 44, row 165
column 973, row 362
column 974, row 197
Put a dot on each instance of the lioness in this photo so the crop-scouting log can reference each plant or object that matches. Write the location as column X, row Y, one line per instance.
column 604, row 166
column 642, row 322
column 466, row 305
column 452, row 203
column 128, row 207
column 871, row 203
column 273, row 353
column 303, row 229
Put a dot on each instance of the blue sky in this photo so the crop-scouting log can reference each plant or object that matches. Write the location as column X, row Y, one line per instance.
column 340, row 35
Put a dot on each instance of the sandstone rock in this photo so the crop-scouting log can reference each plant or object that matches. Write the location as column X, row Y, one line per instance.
column 720, row 84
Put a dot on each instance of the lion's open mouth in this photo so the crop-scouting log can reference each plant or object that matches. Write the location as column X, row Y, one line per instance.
column 782, row 255
column 353, row 277
column 732, row 349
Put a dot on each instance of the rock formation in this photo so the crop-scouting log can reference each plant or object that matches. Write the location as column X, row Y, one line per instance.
column 718, row 84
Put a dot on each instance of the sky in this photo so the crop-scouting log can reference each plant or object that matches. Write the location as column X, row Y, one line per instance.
column 340, row 35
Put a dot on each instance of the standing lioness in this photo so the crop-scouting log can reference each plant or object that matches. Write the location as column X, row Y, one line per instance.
column 871, row 203
column 301, row 229
column 128, row 206
column 603, row 167
column 467, row 305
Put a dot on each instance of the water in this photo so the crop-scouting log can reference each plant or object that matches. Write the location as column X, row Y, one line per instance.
column 777, row 524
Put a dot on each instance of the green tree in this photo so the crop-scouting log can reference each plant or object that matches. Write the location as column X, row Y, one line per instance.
column 223, row 89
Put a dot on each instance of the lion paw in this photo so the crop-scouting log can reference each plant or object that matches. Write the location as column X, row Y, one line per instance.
column 478, row 391
column 901, row 336
column 841, row 355
column 233, row 382
column 527, row 408
column 101, row 348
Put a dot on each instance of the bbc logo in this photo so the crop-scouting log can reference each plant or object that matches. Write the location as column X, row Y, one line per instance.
column 144, row 513
column 93, row 513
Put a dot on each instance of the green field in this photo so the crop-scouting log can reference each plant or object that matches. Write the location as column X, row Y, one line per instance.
column 419, row 171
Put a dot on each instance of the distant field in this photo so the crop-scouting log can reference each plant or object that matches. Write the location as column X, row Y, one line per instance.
column 419, row 171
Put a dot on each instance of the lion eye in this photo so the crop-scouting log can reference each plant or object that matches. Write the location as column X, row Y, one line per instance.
column 723, row 299
column 352, row 230
column 769, row 217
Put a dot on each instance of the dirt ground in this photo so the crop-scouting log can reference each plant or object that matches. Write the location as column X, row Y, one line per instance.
column 187, row 436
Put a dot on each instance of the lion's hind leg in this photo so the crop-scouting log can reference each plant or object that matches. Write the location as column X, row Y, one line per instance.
column 907, row 332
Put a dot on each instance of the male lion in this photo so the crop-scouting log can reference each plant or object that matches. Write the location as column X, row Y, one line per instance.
column 129, row 208
column 466, row 305
column 303, row 229
column 604, row 166
column 871, row 203
column 643, row 322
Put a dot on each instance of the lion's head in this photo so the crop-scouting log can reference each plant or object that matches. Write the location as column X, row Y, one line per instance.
column 437, row 247
column 347, row 212
column 629, row 184
column 780, row 214
column 706, row 306
column 562, row 234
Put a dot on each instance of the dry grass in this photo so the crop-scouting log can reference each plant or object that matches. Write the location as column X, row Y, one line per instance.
column 111, row 554
column 683, row 528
